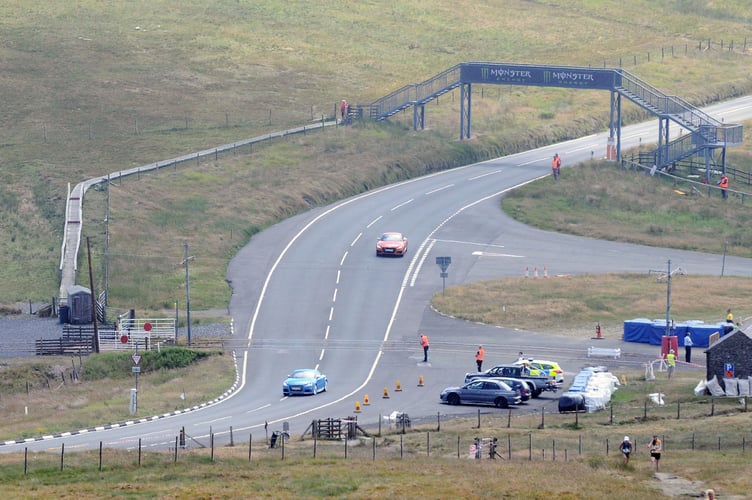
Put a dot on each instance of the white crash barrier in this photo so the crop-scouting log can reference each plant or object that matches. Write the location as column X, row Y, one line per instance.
column 604, row 352
column 591, row 391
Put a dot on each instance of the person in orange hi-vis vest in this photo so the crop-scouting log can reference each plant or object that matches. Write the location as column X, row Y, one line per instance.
column 556, row 165
column 424, row 345
column 724, row 183
column 479, row 357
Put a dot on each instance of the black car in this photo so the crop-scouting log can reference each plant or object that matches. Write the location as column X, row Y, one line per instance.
column 520, row 386
column 482, row 391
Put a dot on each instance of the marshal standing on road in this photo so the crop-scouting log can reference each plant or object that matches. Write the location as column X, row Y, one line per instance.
column 424, row 345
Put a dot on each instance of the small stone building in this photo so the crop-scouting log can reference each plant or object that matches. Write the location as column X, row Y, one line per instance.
column 732, row 350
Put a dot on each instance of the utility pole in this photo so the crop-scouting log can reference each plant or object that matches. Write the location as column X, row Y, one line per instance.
column 187, row 293
column 107, row 244
column 93, row 299
column 668, row 299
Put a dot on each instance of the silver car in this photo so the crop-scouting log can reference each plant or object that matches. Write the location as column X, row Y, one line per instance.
column 482, row 391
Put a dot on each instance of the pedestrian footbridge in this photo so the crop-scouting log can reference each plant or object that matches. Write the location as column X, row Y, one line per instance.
column 700, row 134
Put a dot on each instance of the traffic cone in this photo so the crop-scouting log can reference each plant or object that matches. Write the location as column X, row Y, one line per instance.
column 365, row 400
column 357, row 407
column 386, row 394
column 420, row 381
column 399, row 387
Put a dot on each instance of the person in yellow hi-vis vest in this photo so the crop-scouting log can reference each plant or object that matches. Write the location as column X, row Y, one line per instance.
column 671, row 362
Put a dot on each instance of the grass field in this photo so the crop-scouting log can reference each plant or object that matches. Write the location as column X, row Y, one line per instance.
column 91, row 89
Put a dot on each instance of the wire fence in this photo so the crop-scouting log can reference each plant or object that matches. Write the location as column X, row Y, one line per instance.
column 541, row 435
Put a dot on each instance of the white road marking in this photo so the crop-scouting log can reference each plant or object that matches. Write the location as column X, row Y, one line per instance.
column 402, row 204
column 439, row 189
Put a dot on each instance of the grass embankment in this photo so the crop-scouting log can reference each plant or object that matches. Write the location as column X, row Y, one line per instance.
column 49, row 395
column 132, row 85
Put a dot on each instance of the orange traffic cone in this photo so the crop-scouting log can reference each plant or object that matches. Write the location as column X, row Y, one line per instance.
column 357, row 407
column 386, row 394
column 420, row 381
column 399, row 386
column 365, row 400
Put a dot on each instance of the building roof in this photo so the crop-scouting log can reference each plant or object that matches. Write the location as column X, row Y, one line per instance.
column 728, row 336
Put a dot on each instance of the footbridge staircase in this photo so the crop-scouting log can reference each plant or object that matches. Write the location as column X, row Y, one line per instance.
column 699, row 134
column 696, row 132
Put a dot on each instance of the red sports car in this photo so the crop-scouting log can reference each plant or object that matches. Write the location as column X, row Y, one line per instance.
column 391, row 244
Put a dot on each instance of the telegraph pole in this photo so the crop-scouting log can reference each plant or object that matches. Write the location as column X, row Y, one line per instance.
column 187, row 294
column 93, row 299
column 668, row 299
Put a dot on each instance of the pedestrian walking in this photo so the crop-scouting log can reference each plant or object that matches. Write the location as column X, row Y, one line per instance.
column 555, row 166
column 479, row 357
column 655, row 446
column 671, row 362
column 424, row 344
column 688, row 347
column 520, row 357
column 724, row 183
column 343, row 110
column 626, row 449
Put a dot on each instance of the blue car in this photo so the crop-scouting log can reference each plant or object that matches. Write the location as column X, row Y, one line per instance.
column 304, row 381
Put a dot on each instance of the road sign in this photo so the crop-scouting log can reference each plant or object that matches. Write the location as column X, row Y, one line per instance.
column 147, row 327
column 124, row 339
column 444, row 262
column 136, row 358
column 135, row 369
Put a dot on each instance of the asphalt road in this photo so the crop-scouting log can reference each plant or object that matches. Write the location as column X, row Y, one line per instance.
column 309, row 292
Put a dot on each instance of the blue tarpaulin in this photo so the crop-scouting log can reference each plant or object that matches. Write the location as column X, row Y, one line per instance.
column 650, row 331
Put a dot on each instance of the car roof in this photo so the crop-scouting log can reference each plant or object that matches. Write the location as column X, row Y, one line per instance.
column 538, row 361
column 497, row 380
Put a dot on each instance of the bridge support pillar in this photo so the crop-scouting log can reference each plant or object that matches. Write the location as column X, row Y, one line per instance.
column 419, row 116
column 466, row 98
